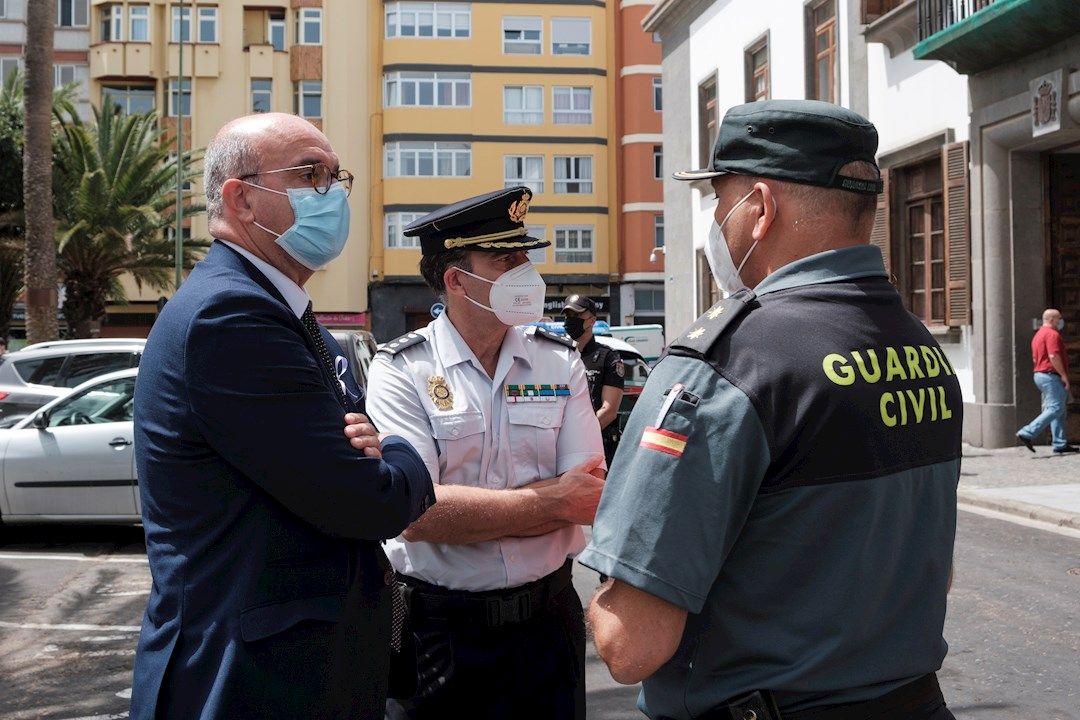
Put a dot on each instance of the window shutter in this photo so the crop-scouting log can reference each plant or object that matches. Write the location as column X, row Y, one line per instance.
column 954, row 160
column 881, row 236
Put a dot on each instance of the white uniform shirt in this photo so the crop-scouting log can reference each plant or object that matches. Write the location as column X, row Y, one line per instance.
column 482, row 440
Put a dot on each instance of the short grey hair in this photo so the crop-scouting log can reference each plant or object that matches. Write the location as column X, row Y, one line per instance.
column 228, row 156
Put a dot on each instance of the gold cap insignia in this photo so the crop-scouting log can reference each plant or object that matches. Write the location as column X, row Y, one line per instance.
column 439, row 393
column 519, row 208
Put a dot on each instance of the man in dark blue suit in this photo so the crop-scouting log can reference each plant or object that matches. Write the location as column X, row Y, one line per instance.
column 271, row 596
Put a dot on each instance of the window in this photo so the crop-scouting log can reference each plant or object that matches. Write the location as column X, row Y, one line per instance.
column 81, row 368
column 139, row 23
column 207, row 24
column 395, row 225
column 523, row 105
column 524, row 170
column 180, row 91
column 112, row 23
column 649, row 301
column 658, row 162
column 64, row 75
column 757, row 72
column 9, row 65
column 308, row 102
column 72, row 13
column 658, row 231
column 573, row 174
column 129, row 99
column 571, row 106
column 309, row 26
column 708, row 294
column 275, row 29
column 261, row 95
column 657, row 94
column 573, row 244
column 444, row 20
column 537, row 256
column 706, row 121
column 103, row 403
column 171, row 161
column 570, row 36
column 521, row 35
column 821, row 55
column 40, row 371
column 428, row 159
column 926, row 271
column 3, row 8
column 426, row 89
column 181, row 23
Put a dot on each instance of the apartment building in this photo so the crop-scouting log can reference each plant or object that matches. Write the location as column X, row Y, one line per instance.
column 470, row 97
column 72, row 39
column 640, row 162
column 200, row 65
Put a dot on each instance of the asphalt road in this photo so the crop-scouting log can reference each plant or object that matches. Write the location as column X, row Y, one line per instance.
column 71, row 600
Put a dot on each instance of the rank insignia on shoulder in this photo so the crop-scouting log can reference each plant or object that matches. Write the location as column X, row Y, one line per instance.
column 535, row 393
column 553, row 336
column 405, row 341
column 665, row 441
column 439, row 393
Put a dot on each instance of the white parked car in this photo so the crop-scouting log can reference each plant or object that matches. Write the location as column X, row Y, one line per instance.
column 73, row 460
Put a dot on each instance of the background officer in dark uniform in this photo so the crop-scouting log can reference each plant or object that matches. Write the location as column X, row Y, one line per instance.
column 603, row 366
column 780, row 517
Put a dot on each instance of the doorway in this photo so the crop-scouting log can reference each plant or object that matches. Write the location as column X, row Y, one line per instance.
column 1064, row 260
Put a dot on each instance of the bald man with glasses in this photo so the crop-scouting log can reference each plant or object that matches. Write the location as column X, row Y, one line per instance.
column 271, row 595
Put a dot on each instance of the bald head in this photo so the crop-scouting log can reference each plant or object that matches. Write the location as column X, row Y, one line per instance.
column 1051, row 317
column 239, row 146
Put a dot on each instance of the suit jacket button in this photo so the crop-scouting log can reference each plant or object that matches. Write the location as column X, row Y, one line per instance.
column 388, row 577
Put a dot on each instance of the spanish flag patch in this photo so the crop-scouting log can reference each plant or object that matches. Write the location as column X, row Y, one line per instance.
column 665, row 441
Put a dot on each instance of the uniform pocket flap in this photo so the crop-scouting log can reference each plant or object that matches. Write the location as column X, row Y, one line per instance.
column 266, row 620
column 457, row 425
column 538, row 414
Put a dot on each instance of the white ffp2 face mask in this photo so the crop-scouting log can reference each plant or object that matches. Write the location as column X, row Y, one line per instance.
column 517, row 296
column 718, row 254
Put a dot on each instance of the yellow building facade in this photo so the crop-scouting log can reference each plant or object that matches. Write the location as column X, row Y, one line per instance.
column 469, row 97
column 308, row 57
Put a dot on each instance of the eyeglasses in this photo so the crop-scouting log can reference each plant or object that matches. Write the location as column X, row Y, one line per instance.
column 319, row 175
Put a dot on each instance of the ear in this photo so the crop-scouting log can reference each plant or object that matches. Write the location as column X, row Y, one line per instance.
column 452, row 281
column 767, row 212
column 234, row 200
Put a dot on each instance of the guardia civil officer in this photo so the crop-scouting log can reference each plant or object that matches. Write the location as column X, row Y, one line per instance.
column 780, row 517
column 501, row 416
column 603, row 367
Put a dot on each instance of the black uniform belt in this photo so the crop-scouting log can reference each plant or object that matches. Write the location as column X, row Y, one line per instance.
column 914, row 700
column 491, row 608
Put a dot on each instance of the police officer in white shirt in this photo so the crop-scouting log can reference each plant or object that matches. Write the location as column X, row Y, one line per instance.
column 501, row 416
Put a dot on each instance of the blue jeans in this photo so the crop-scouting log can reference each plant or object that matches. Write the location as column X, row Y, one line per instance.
column 1054, row 398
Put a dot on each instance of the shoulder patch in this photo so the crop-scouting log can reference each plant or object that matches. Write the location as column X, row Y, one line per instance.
column 552, row 336
column 405, row 341
column 707, row 329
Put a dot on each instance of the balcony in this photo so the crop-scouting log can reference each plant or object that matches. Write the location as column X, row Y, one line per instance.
column 976, row 35
column 115, row 60
column 892, row 23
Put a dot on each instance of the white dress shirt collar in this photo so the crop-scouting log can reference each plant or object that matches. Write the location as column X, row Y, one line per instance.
column 453, row 349
column 295, row 296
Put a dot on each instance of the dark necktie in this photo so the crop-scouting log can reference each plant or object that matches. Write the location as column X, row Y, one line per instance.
column 312, row 326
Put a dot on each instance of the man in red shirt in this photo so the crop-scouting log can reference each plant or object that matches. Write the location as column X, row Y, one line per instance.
column 1052, row 378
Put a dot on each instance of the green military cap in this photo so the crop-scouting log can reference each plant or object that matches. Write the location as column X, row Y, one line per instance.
column 803, row 141
column 493, row 222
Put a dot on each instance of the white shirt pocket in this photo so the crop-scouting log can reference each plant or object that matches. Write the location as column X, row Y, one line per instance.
column 534, row 434
column 459, row 438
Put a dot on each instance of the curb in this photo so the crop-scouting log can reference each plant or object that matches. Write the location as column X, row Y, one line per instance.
column 1039, row 513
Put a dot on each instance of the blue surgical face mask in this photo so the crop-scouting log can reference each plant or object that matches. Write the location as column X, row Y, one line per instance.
column 1061, row 324
column 320, row 227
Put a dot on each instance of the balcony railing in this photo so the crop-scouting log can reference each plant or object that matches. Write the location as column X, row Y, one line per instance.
column 933, row 16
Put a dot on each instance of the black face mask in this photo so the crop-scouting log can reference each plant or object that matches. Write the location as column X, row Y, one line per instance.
column 575, row 327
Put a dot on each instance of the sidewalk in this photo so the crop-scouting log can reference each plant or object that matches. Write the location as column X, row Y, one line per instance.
column 1043, row 487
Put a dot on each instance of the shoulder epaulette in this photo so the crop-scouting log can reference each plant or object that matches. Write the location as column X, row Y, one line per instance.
column 405, row 341
column 553, row 336
column 707, row 329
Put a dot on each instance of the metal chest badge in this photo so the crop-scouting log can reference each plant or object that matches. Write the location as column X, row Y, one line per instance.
column 439, row 393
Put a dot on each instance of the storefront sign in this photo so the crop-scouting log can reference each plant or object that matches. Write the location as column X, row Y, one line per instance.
column 342, row 319
column 1046, row 101
column 553, row 306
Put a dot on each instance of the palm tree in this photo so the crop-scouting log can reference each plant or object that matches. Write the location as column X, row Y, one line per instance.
column 118, row 183
column 40, row 261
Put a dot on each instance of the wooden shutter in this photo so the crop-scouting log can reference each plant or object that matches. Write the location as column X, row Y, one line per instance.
column 954, row 169
column 881, row 236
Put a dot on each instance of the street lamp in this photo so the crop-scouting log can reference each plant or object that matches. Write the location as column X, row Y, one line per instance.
column 180, row 148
